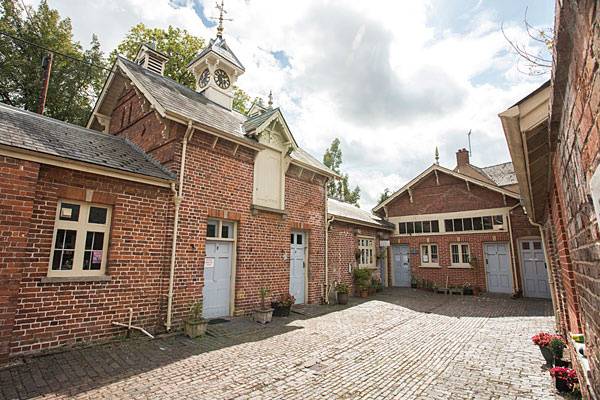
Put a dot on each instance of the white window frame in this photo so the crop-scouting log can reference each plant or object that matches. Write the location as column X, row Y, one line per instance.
column 429, row 262
column 461, row 263
column 219, row 226
column 367, row 256
column 82, row 226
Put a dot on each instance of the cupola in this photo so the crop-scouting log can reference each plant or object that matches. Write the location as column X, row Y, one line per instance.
column 216, row 69
column 151, row 59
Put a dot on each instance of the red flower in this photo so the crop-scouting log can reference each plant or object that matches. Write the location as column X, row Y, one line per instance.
column 566, row 374
column 543, row 339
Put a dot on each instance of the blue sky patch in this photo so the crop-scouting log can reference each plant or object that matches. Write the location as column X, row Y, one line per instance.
column 282, row 58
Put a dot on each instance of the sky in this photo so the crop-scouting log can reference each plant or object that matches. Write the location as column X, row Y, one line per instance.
column 391, row 79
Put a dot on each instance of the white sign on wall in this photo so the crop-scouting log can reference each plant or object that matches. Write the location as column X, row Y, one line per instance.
column 595, row 189
column 209, row 262
column 384, row 243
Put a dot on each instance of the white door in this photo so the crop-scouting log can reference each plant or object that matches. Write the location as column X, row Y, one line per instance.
column 497, row 268
column 297, row 266
column 535, row 276
column 217, row 279
column 402, row 274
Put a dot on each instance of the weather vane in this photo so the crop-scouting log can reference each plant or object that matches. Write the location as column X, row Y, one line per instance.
column 221, row 8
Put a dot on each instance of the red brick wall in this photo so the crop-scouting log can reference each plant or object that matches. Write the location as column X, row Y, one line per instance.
column 17, row 193
column 456, row 276
column 55, row 314
column 342, row 246
column 450, row 195
column 217, row 181
column 575, row 126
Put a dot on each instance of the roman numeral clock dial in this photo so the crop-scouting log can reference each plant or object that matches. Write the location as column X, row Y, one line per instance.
column 222, row 79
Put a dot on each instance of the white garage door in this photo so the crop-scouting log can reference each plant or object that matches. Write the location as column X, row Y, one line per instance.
column 535, row 276
column 497, row 268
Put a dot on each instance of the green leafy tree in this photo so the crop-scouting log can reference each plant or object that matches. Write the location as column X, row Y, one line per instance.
column 384, row 196
column 180, row 46
column 339, row 189
column 73, row 85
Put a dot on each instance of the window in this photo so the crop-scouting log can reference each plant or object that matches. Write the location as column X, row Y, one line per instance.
column 269, row 179
column 432, row 226
column 429, row 254
column 474, row 223
column 366, row 248
column 460, row 255
column 80, row 241
column 217, row 229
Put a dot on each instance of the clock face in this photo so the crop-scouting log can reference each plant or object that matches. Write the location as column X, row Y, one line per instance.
column 222, row 79
column 204, row 78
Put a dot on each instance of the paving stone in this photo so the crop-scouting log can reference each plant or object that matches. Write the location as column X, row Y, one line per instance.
column 401, row 344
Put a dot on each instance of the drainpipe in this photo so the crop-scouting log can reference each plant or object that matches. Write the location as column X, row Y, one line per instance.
column 512, row 251
column 326, row 297
column 177, row 197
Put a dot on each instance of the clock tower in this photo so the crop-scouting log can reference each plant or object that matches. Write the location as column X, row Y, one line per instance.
column 216, row 68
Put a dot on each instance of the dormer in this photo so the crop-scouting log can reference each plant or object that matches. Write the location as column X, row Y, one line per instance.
column 151, row 59
column 216, row 70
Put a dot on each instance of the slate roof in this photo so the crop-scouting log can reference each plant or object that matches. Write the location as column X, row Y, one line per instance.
column 501, row 174
column 181, row 100
column 219, row 46
column 29, row 131
column 348, row 211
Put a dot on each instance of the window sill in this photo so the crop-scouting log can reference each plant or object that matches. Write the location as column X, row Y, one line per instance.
column 467, row 266
column 430, row 266
column 255, row 209
column 75, row 279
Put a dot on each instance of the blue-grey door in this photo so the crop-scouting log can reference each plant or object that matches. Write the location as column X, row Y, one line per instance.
column 217, row 279
column 497, row 268
column 535, row 275
column 297, row 266
column 401, row 263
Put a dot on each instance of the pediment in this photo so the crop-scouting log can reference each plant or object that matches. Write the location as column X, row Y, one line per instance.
column 276, row 134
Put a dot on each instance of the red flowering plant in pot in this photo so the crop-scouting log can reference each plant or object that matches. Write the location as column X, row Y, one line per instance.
column 543, row 340
column 564, row 378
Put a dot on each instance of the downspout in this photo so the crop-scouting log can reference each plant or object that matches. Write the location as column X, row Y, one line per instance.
column 177, row 197
column 326, row 296
column 512, row 251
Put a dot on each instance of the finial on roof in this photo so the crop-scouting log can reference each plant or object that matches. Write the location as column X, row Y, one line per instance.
column 437, row 156
column 221, row 8
column 270, row 103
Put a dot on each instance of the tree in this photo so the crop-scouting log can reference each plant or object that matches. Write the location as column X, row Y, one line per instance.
column 384, row 196
column 73, row 84
column 180, row 46
column 339, row 189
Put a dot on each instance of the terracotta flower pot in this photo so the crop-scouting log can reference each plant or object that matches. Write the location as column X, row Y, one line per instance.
column 364, row 293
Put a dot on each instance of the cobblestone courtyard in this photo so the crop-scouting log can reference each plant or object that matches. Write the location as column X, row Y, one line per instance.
column 401, row 344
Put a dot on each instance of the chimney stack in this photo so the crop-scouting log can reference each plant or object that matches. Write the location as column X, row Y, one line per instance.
column 151, row 59
column 462, row 158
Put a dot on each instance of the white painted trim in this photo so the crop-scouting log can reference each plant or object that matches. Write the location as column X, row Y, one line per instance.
column 56, row 161
column 458, row 175
column 82, row 227
column 440, row 217
column 459, row 264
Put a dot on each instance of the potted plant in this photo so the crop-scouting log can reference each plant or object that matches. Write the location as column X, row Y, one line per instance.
column 283, row 305
column 564, row 378
column 264, row 314
column 372, row 287
column 413, row 282
column 557, row 346
column 467, row 289
column 195, row 325
column 362, row 280
column 542, row 340
column 342, row 293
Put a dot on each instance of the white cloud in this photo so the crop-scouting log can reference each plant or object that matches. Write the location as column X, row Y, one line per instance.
column 376, row 74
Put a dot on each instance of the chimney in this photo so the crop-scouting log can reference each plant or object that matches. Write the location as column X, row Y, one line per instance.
column 462, row 158
column 151, row 59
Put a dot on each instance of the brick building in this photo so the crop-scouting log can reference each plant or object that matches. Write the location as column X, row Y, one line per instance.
column 356, row 239
column 464, row 227
column 178, row 198
column 554, row 140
